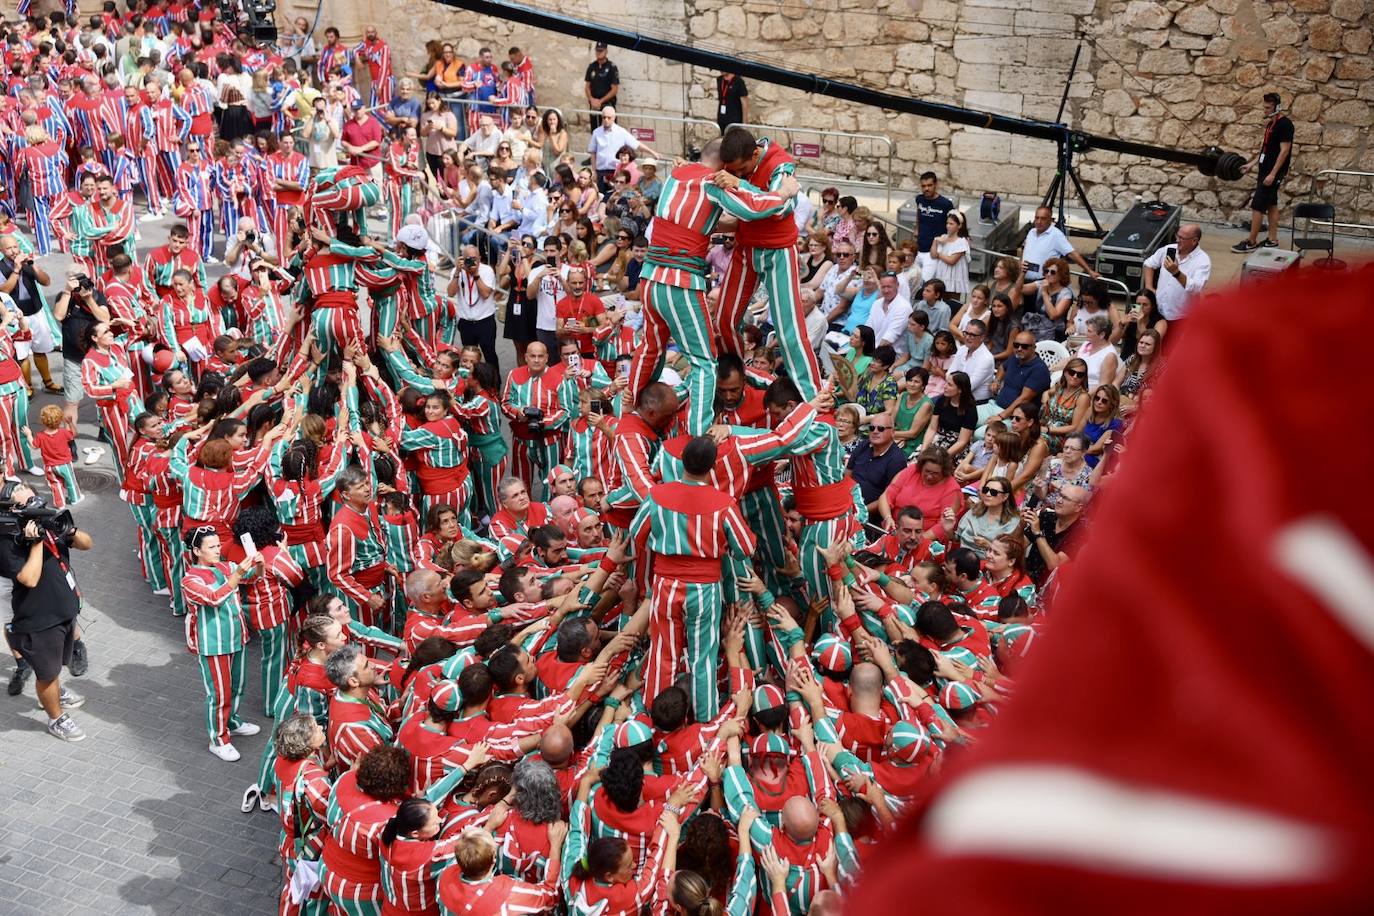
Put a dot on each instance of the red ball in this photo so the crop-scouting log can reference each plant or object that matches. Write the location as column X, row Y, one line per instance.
column 162, row 361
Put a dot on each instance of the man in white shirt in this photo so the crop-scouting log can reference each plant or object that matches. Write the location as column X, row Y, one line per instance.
column 533, row 209
column 473, row 288
column 975, row 360
column 1183, row 276
column 484, row 142
column 547, row 282
column 889, row 314
column 606, row 141
column 501, row 218
column 1046, row 241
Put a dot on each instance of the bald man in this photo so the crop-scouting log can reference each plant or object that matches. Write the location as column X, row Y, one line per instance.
column 564, row 509
column 1177, row 273
column 530, row 402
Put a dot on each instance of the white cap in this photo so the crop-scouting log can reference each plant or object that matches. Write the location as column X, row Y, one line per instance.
column 414, row 237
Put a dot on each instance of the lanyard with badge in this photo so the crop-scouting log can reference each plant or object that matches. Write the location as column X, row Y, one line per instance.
column 50, row 544
column 725, row 83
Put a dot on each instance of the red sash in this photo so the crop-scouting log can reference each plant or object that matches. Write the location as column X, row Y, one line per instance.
column 827, row 501
column 437, row 481
column 687, row 568
column 308, row 533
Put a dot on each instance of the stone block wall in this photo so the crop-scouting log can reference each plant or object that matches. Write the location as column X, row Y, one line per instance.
column 1186, row 73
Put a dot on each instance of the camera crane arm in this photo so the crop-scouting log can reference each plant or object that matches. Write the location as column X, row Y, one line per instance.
column 1211, row 162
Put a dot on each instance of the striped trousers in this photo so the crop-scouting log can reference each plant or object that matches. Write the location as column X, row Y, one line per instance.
column 150, row 548
column 62, row 481
column 15, row 453
column 530, row 460
column 275, row 650
column 147, row 177
column 40, row 209
column 173, row 564
column 680, row 316
column 776, row 268
column 487, row 476
column 335, row 328
column 684, row 634
column 168, row 163
column 223, row 678
column 399, row 203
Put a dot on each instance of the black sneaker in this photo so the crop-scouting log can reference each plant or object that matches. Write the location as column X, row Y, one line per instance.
column 80, row 663
column 19, row 678
column 1244, row 246
column 1269, row 243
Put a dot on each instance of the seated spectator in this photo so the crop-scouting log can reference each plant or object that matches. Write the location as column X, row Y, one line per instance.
column 1052, row 531
column 649, row 184
column 877, row 460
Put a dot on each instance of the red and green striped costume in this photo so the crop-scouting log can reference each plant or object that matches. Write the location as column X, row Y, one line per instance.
column 355, row 560
column 685, row 529
column 534, row 455
column 674, row 295
column 216, row 631
column 767, row 251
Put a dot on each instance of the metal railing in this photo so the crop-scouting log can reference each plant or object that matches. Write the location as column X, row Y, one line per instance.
column 838, row 152
column 1363, row 185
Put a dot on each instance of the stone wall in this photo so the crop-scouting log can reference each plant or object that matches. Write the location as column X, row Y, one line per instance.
column 1177, row 73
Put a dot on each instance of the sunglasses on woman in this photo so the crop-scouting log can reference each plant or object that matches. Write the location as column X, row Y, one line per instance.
column 1075, row 373
column 989, row 491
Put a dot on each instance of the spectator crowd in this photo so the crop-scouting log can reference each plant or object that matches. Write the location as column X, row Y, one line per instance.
column 681, row 611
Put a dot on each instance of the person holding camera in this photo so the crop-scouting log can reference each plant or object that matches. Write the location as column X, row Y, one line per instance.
column 78, row 308
column 1048, row 530
column 247, row 246
column 45, row 599
column 473, row 288
column 23, row 280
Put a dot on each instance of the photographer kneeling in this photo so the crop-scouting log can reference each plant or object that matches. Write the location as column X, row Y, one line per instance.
column 34, row 544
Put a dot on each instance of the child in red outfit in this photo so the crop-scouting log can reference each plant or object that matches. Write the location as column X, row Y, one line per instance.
column 55, row 445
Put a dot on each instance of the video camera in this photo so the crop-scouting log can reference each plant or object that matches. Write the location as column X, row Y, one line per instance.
column 58, row 523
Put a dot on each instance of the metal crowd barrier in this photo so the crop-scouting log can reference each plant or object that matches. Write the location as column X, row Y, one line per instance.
column 1364, row 183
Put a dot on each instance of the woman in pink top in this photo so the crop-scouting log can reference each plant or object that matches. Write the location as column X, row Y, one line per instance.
column 927, row 484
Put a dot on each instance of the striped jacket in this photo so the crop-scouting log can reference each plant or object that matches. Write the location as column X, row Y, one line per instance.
column 688, row 209
column 215, row 625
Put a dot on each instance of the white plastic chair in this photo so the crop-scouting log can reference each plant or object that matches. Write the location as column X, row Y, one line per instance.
column 1051, row 351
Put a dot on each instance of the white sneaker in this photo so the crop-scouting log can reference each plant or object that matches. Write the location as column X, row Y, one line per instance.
column 92, row 454
column 36, row 471
column 245, row 729
column 225, row 752
column 251, row 798
column 64, row 728
column 212, row 260
column 70, row 699
column 163, row 592
column 150, row 217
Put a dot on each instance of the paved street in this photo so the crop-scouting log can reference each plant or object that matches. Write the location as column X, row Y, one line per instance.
column 139, row 817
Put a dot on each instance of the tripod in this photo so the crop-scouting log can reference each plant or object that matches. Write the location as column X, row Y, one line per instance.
column 1069, row 143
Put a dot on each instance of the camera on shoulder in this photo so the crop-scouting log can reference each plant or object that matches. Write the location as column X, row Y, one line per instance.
column 15, row 519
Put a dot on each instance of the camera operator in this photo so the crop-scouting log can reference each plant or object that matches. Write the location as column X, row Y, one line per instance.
column 78, row 306
column 45, row 599
column 23, row 279
column 1050, row 530
column 249, row 244
column 473, row 287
